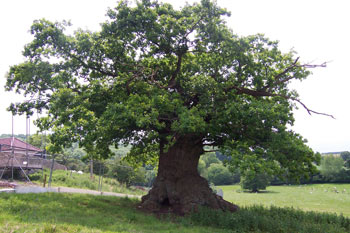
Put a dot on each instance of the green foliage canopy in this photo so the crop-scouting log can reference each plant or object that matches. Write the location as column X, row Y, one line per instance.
column 331, row 167
column 346, row 157
column 154, row 74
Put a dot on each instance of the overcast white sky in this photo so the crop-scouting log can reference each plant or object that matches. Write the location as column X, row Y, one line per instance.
column 317, row 29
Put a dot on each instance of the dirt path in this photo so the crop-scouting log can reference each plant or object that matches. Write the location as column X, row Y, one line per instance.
column 93, row 192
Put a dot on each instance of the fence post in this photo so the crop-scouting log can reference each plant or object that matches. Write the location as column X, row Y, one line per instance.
column 103, row 172
column 91, row 168
column 45, row 180
column 12, row 157
column 42, row 163
column 99, row 178
column 51, row 170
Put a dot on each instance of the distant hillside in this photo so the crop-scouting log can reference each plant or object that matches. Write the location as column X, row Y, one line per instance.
column 333, row 153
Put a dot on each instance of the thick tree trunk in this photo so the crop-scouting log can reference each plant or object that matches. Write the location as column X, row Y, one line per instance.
column 178, row 187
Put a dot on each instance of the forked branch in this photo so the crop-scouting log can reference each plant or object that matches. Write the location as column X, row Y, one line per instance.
column 267, row 90
column 265, row 93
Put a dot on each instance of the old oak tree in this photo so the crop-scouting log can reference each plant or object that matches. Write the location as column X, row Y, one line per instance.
column 171, row 83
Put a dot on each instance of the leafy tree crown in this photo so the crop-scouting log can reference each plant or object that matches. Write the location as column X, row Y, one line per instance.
column 153, row 74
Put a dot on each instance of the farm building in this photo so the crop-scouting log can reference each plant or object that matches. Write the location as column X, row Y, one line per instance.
column 16, row 154
column 19, row 147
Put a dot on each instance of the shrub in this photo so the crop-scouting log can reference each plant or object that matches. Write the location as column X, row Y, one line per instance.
column 219, row 174
column 126, row 174
column 255, row 182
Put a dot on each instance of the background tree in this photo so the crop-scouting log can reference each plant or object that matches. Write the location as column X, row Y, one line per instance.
column 346, row 157
column 332, row 168
column 209, row 159
column 126, row 174
column 167, row 82
column 218, row 174
column 255, row 181
column 212, row 169
column 38, row 140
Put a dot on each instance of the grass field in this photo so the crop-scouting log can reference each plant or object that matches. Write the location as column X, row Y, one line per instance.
column 318, row 197
column 61, row 213
column 54, row 212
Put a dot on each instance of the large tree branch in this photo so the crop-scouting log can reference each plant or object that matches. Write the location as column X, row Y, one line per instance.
column 240, row 90
column 309, row 110
column 288, row 69
column 151, row 79
column 172, row 81
column 85, row 65
column 267, row 90
column 193, row 27
column 208, row 151
column 277, row 77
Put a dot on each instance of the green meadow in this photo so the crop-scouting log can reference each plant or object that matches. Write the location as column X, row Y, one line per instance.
column 279, row 209
column 331, row 198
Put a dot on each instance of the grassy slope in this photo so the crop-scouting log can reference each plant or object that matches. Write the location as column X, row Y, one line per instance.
column 54, row 212
column 75, row 180
column 318, row 197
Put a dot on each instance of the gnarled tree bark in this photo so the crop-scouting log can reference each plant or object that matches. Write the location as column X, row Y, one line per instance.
column 178, row 187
